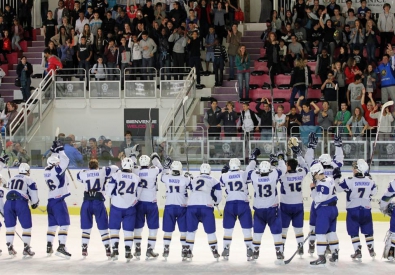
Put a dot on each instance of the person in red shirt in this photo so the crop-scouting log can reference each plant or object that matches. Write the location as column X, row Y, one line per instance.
column 54, row 62
column 6, row 49
column 368, row 108
column 131, row 10
column 351, row 70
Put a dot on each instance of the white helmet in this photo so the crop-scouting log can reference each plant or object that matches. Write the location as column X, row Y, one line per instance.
column 325, row 159
column 53, row 160
column 205, row 168
column 144, row 160
column 264, row 167
column 24, row 168
column 127, row 164
column 316, row 169
column 234, row 164
column 176, row 166
column 361, row 166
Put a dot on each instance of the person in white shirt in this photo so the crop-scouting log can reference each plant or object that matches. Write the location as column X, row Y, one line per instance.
column 80, row 23
column 249, row 121
column 279, row 122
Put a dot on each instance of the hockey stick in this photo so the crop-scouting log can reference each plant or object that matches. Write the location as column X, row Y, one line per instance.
column 150, row 131
column 15, row 230
column 296, row 252
column 185, row 130
column 2, row 146
column 219, row 211
column 272, row 107
column 68, row 170
column 387, row 104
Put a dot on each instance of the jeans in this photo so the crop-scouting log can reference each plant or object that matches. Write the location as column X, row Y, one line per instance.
column 309, row 47
column 371, row 51
column 331, row 47
column 219, row 70
column 178, row 62
column 300, row 89
column 136, row 64
column 232, row 62
column 110, row 70
column 85, row 65
column 246, row 77
column 148, row 62
column 266, row 133
column 194, row 61
column 25, row 89
column 15, row 42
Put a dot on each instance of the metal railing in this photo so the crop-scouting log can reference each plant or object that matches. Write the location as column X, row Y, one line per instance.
column 105, row 85
column 141, row 88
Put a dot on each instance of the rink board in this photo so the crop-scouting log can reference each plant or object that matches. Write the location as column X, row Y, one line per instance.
column 74, row 201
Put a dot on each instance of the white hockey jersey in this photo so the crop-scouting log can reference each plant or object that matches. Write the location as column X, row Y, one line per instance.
column 324, row 192
column 235, row 183
column 388, row 195
column 333, row 169
column 123, row 189
column 56, row 180
column 24, row 186
column 204, row 190
column 176, row 188
column 148, row 177
column 359, row 191
column 291, row 186
column 1, row 200
column 94, row 180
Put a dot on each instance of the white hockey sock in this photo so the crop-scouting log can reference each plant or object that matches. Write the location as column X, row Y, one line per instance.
column 355, row 242
column 183, row 238
column 167, row 238
column 278, row 243
column 86, row 236
column 299, row 234
column 114, row 236
column 190, row 239
column 128, row 237
column 10, row 233
column 247, row 236
column 212, row 240
column 284, row 235
column 333, row 241
column 152, row 237
column 321, row 244
column 105, row 237
column 51, row 233
column 62, row 235
column 369, row 240
column 227, row 236
column 312, row 235
column 27, row 235
column 256, row 241
column 137, row 235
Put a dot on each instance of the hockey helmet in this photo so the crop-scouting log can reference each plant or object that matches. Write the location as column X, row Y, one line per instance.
column 176, row 166
column 316, row 169
column 361, row 166
column 264, row 167
column 127, row 164
column 53, row 160
column 325, row 159
column 24, row 168
column 144, row 160
column 234, row 164
column 205, row 168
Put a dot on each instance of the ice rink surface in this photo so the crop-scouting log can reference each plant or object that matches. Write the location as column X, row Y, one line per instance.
column 202, row 263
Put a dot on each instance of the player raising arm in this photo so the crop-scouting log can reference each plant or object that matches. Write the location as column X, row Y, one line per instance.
column 94, row 180
column 3, row 160
column 205, row 193
column 387, row 208
column 58, row 214
column 123, row 189
column 22, row 188
column 176, row 203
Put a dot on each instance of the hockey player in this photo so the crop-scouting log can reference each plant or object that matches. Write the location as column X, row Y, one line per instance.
column 123, row 189
column 147, row 207
column 237, row 205
column 58, row 214
column 387, row 207
column 3, row 160
column 94, row 180
column 205, row 194
column 359, row 190
column 266, row 205
column 22, row 188
column 291, row 200
column 325, row 200
column 176, row 203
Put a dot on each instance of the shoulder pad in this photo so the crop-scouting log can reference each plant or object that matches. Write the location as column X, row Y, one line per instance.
column 300, row 170
column 152, row 167
column 350, row 178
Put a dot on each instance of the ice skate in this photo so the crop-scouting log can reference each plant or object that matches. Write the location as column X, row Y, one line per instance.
column 280, row 257
column 150, row 253
column 301, row 249
column 128, row 253
column 137, row 251
column 371, row 251
column 250, row 254
column 335, row 256
column 61, row 252
column 84, row 250
column 186, row 253
column 256, row 253
column 391, row 254
column 114, row 254
column 358, row 254
column 166, row 252
column 108, row 251
column 311, row 248
column 225, row 253
column 27, row 252
column 11, row 250
column 215, row 252
column 321, row 261
column 328, row 251
column 49, row 249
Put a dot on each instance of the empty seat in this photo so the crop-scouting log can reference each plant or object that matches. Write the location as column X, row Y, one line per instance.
column 313, row 93
column 282, row 79
column 259, row 79
column 282, row 93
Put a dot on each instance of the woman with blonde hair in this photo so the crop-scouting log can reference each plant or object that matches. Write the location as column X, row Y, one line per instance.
column 243, row 70
column 358, row 124
column 88, row 34
column 300, row 79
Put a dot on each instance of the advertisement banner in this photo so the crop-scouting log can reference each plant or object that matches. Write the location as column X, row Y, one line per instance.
column 136, row 121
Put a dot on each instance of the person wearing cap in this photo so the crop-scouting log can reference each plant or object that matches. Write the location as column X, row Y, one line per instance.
column 212, row 120
column 72, row 153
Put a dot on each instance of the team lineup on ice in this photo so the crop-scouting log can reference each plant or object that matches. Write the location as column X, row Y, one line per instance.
column 190, row 200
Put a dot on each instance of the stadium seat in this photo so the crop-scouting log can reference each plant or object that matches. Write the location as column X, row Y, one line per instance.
column 313, row 93
column 259, row 79
column 282, row 79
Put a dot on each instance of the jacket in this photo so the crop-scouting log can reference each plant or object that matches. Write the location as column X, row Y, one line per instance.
column 20, row 31
column 234, row 43
column 56, row 39
column 298, row 77
column 212, row 118
column 266, row 117
column 386, row 74
column 65, row 12
column 243, row 65
column 386, row 23
column 319, row 66
column 54, row 63
column 269, row 53
column 21, row 67
column 229, row 121
column 74, row 156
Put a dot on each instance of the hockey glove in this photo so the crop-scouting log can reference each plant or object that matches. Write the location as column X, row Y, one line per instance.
column 56, row 147
column 280, row 155
column 296, row 150
column 338, row 140
column 187, row 174
column 4, row 159
column 154, row 155
column 337, row 174
column 273, row 160
column 16, row 163
column 34, row 206
column 225, row 169
column 168, row 162
column 255, row 153
column 313, row 141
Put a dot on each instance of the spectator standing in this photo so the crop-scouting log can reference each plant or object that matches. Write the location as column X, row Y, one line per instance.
column 50, row 28
column 108, row 24
column 194, row 57
column 88, row 35
column 60, row 38
column 369, row 109
column 95, row 151
column 386, row 26
column 75, row 157
column 80, row 23
column 340, row 78
column 279, row 122
column 159, row 13
column 24, row 71
column 6, row 47
column 17, row 35
column 325, row 120
column 234, row 41
column 357, row 124
column 65, row 23
column 220, row 57
column 294, row 120
column 249, row 121
column 99, row 44
column 243, row 71
column 330, row 90
column 60, row 12
column 370, row 79
column 273, row 56
column 300, row 80
column 74, row 13
column 323, row 66
column 212, row 120
column 95, row 23
column 219, row 19
column 67, row 55
column 123, row 59
column 25, row 13
column 211, row 36
column 387, row 78
column 308, row 118
column 331, row 7
column 329, row 32
column 229, row 119
column 127, row 143
column 53, row 62
column 371, row 41
column 111, row 54
column 149, row 48
column 177, row 15
column 84, row 55
column 295, row 51
column 351, row 70
column 357, row 36
column 342, row 118
column 266, row 118
column 354, row 93
column 136, row 55
column 21, row 153
column 203, row 14
column 107, row 155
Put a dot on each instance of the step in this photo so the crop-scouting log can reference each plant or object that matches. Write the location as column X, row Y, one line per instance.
column 224, row 96
column 245, row 39
column 8, row 79
column 38, row 44
column 252, row 33
column 35, row 49
column 255, row 51
column 40, row 38
column 254, row 44
column 30, row 55
column 7, row 92
column 8, row 86
column 12, row 73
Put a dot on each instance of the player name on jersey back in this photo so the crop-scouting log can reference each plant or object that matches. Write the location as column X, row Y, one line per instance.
column 291, row 186
column 235, row 184
column 176, row 188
